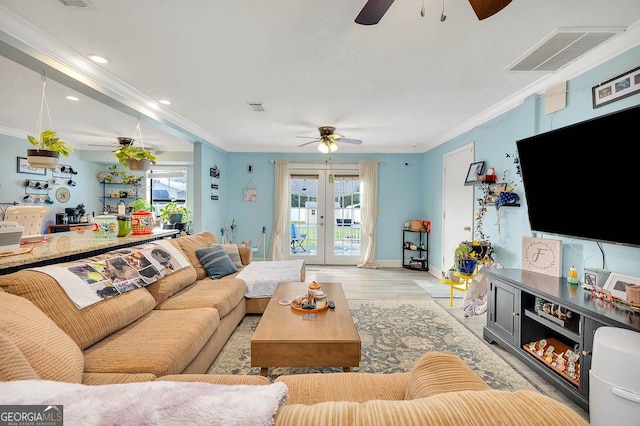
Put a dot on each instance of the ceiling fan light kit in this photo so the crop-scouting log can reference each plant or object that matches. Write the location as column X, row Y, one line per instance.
column 328, row 139
column 327, row 145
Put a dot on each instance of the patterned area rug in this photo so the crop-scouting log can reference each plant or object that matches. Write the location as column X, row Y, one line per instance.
column 437, row 290
column 394, row 334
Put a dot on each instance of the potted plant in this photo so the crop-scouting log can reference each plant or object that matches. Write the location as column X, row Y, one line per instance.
column 141, row 217
column 135, row 158
column 47, row 150
column 465, row 259
column 140, row 205
column 177, row 215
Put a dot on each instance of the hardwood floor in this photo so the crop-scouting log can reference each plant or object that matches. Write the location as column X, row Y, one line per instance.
column 398, row 284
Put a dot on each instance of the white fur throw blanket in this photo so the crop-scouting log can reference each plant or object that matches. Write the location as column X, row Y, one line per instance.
column 152, row 403
column 263, row 277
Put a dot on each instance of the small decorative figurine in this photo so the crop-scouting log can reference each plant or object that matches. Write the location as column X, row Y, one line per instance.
column 573, row 276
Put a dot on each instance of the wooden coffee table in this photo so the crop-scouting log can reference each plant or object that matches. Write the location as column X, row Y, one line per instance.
column 284, row 339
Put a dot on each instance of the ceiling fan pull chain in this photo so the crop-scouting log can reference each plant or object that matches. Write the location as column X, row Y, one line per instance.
column 443, row 15
column 422, row 10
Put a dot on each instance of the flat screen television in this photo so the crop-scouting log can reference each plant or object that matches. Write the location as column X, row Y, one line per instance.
column 583, row 180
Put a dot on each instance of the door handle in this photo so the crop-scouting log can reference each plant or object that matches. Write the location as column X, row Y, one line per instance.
column 467, row 228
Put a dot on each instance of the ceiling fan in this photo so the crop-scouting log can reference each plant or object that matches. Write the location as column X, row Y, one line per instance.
column 328, row 139
column 123, row 142
column 374, row 10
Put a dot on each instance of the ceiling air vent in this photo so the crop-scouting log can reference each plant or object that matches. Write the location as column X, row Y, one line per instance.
column 78, row 4
column 256, row 106
column 562, row 47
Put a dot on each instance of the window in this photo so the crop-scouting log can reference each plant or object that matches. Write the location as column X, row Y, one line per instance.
column 167, row 185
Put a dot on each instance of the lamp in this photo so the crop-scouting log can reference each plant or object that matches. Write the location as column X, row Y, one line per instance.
column 327, row 145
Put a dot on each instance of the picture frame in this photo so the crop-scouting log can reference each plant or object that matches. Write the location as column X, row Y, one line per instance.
column 617, row 284
column 617, row 88
column 24, row 167
column 494, row 191
column 475, row 170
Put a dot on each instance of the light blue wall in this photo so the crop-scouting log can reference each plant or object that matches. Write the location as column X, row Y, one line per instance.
column 399, row 194
column 86, row 191
column 494, row 139
column 208, row 214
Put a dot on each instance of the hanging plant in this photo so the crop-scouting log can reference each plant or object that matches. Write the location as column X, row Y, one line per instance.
column 48, row 147
column 48, row 150
column 133, row 157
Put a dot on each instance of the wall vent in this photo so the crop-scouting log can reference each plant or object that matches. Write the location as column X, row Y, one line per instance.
column 256, row 106
column 78, row 4
column 562, row 47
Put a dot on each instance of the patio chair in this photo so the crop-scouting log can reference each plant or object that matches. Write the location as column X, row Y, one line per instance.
column 297, row 239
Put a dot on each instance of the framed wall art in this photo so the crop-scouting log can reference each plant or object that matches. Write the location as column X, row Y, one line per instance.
column 214, row 172
column 617, row 284
column 24, row 167
column 617, row 88
column 475, row 170
column 494, row 191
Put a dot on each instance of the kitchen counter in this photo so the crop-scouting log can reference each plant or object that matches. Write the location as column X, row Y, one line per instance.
column 67, row 246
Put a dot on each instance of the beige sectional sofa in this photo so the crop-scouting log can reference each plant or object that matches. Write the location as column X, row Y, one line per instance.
column 178, row 325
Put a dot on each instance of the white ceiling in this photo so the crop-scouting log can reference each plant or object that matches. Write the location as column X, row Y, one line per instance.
column 404, row 85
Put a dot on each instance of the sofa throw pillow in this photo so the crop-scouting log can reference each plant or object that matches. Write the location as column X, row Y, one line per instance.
column 216, row 262
column 234, row 254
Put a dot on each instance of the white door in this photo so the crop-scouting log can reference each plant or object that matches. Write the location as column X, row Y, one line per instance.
column 324, row 223
column 457, row 203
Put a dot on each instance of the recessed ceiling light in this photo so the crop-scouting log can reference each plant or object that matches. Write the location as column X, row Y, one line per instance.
column 72, row 98
column 164, row 102
column 99, row 59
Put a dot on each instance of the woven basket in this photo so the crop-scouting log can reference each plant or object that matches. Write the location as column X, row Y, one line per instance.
column 141, row 223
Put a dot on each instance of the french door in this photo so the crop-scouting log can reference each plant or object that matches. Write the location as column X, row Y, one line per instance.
column 324, row 221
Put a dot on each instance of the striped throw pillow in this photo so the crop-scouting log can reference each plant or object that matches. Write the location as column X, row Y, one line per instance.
column 216, row 262
column 234, row 254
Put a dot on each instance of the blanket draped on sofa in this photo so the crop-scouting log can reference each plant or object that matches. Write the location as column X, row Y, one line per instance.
column 263, row 277
column 92, row 280
column 151, row 403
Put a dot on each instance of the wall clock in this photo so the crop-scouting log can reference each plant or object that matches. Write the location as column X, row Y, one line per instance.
column 542, row 255
column 63, row 195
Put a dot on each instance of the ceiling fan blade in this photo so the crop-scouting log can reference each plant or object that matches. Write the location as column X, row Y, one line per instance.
column 373, row 11
column 486, row 8
column 351, row 141
column 307, row 137
column 310, row 142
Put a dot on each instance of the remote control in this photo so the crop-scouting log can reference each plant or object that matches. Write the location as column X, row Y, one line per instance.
column 331, row 304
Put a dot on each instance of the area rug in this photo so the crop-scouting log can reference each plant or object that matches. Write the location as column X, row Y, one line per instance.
column 437, row 290
column 393, row 334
